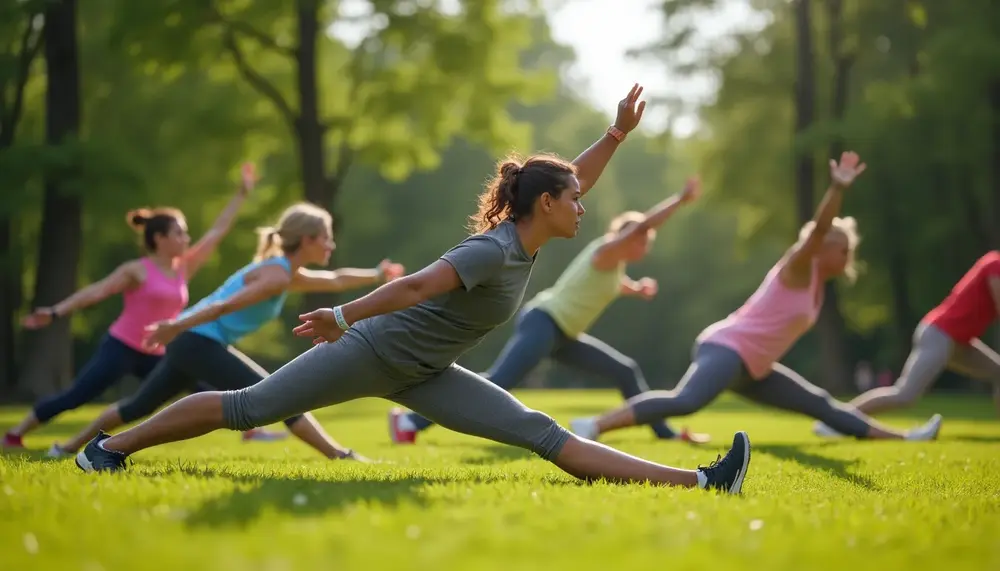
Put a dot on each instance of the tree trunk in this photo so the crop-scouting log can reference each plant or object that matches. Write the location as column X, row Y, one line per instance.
column 834, row 353
column 10, row 300
column 309, row 127
column 48, row 363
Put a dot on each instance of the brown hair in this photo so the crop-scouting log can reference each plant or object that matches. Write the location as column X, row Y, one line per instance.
column 511, row 193
column 152, row 222
column 296, row 222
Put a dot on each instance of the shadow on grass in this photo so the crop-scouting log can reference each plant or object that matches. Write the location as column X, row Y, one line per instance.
column 970, row 438
column 496, row 454
column 258, row 496
column 834, row 466
column 255, row 496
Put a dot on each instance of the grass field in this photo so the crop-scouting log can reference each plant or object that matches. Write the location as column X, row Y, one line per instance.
column 456, row 502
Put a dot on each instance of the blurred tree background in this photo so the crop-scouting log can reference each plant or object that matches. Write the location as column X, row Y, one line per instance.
column 395, row 121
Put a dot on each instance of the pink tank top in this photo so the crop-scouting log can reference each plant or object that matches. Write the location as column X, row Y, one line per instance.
column 769, row 323
column 157, row 298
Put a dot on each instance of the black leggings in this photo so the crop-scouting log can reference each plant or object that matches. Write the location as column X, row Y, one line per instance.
column 716, row 368
column 111, row 363
column 192, row 358
column 538, row 337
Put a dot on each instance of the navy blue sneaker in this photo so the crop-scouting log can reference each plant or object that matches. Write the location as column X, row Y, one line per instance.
column 93, row 458
column 727, row 473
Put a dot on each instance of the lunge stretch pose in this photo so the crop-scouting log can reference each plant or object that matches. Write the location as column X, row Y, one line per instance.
column 947, row 338
column 199, row 343
column 741, row 352
column 154, row 288
column 401, row 341
column 554, row 323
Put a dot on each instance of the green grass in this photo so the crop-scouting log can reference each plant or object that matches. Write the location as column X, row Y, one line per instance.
column 457, row 502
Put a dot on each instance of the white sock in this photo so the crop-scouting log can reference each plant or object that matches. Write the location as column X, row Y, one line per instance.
column 702, row 479
column 405, row 424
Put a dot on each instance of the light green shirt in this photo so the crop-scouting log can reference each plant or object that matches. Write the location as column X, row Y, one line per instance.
column 581, row 293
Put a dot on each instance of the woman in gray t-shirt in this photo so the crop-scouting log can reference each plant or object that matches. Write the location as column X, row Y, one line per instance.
column 401, row 341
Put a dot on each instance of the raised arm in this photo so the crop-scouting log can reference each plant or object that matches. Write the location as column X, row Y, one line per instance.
column 613, row 251
column 343, row 279
column 590, row 164
column 197, row 255
column 261, row 284
column 842, row 175
column 125, row 276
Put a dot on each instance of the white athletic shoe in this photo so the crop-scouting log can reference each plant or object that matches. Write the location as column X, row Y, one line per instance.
column 822, row 430
column 929, row 431
column 56, row 451
column 584, row 428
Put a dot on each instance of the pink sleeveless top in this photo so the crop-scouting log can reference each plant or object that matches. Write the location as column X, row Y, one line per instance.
column 157, row 298
column 769, row 323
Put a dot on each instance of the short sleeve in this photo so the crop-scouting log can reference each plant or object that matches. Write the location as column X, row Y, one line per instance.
column 992, row 266
column 476, row 260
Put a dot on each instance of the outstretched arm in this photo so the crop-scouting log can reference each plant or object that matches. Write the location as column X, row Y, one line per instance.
column 343, row 279
column 590, row 164
column 842, row 175
column 613, row 251
column 264, row 283
column 197, row 255
column 125, row 276
column 468, row 265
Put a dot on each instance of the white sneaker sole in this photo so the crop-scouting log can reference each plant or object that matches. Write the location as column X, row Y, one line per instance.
column 737, row 485
column 83, row 463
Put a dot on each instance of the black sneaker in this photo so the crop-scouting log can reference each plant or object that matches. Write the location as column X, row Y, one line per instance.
column 727, row 473
column 93, row 458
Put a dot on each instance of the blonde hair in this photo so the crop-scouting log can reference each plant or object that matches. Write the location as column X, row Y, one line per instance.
column 846, row 227
column 619, row 223
column 297, row 222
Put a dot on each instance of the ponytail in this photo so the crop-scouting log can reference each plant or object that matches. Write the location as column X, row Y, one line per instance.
column 268, row 244
column 138, row 218
column 514, row 188
column 152, row 223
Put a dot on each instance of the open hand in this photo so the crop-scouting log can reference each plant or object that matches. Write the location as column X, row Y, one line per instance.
column 41, row 317
column 629, row 113
column 321, row 325
column 648, row 288
column 843, row 174
column 160, row 334
column 248, row 176
column 692, row 190
column 391, row 270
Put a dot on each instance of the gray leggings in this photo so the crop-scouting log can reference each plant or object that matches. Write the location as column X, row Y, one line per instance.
column 537, row 336
column 716, row 368
column 933, row 352
column 349, row 369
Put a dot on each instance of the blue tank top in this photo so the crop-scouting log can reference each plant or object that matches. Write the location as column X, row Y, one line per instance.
column 231, row 327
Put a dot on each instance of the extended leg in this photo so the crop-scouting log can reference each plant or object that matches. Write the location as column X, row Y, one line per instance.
column 490, row 412
column 589, row 354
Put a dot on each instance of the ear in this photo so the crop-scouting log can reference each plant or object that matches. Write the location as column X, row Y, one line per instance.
column 545, row 201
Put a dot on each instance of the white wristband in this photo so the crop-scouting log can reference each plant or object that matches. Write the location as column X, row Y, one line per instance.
column 338, row 314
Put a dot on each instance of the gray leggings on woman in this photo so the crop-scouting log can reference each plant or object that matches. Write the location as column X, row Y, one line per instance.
column 716, row 368
column 349, row 369
column 537, row 336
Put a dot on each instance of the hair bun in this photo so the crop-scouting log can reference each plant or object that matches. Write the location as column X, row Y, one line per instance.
column 138, row 218
column 509, row 169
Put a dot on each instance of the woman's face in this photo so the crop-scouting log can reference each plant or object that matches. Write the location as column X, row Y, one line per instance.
column 564, row 213
column 175, row 242
column 835, row 254
column 317, row 249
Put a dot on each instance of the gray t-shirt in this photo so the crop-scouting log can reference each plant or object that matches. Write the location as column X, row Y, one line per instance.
column 429, row 337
